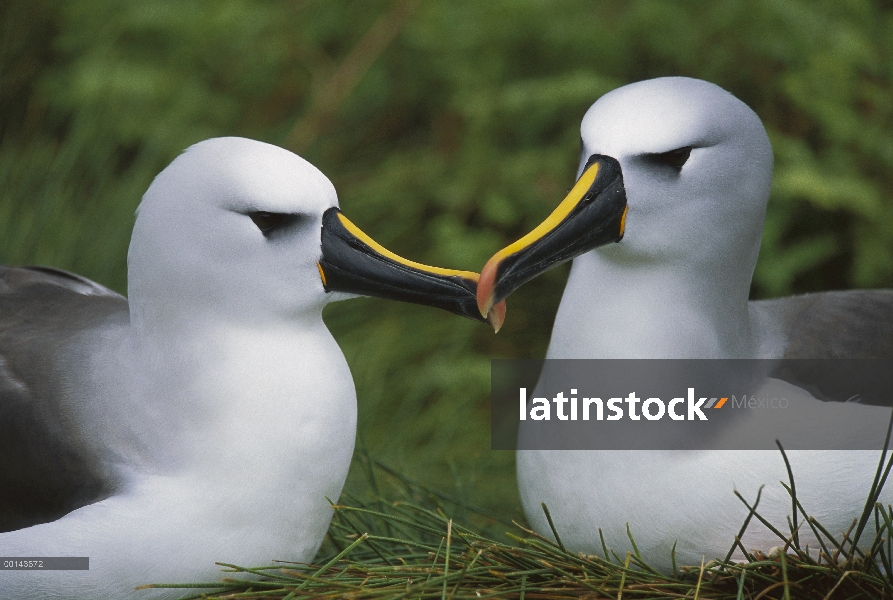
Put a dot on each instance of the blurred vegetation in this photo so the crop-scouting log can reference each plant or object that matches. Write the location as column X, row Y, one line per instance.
column 449, row 129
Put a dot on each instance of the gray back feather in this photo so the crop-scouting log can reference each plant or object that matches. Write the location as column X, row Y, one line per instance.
column 45, row 472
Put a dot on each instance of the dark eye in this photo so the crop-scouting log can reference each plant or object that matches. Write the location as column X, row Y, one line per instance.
column 673, row 158
column 268, row 222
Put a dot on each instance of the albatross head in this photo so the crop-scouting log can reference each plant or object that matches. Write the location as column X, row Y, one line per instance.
column 230, row 229
column 236, row 230
column 697, row 166
column 677, row 168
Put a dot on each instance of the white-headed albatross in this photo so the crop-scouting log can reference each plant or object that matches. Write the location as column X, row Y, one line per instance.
column 696, row 167
column 207, row 417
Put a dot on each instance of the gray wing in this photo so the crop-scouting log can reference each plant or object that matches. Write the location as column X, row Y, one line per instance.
column 855, row 324
column 849, row 324
column 44, row 471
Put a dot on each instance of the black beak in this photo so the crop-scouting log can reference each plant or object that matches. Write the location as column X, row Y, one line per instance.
column 592, row 214
column 355, row 263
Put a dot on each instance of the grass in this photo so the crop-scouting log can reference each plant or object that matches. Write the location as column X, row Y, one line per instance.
column 411, row 547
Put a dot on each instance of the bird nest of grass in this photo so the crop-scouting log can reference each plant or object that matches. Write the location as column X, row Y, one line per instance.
column 412, row 548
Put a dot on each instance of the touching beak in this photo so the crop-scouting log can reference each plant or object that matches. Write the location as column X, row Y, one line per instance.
column 592, row 214
column 355, row 263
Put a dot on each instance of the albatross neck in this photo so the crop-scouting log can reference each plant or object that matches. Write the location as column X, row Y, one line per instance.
column 615, row 309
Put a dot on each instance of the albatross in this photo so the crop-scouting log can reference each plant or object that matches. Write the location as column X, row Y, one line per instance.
column 208, row 416
column 664, row 227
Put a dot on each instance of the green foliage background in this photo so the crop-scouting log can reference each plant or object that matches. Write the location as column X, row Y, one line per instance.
column 449, row 129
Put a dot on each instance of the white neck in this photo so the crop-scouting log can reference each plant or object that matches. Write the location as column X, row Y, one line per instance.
column 242, row 384
column 618, row 309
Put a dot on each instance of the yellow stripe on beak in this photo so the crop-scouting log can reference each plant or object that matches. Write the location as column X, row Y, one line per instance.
column 558, row 215
column 573, row 198
column 592, row 214
column 358, row 233
column 354, row 263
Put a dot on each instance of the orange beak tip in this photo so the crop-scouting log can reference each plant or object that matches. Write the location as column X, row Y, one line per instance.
column 485, row 287
column 496, row 316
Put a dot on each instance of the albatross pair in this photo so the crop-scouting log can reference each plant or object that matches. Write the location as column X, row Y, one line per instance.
column 209, row 421
column 681, row 171
column 209, row 416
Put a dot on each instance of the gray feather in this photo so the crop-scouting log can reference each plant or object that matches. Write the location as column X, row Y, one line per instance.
column 45, row 472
